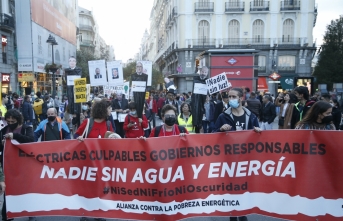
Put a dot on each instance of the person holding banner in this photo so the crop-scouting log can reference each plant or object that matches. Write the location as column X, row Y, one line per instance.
column 121, row 106
column 318, row 117
column 169, row 128
column 236, row 117
column 139, row 93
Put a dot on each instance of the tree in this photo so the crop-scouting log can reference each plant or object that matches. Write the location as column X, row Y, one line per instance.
column 329, row 68
column 82, row 57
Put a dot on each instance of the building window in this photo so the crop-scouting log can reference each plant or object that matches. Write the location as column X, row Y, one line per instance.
column 204, row 31
column 261, row 63
column 288, row 30
column 258, row 30
column 286, row 63
column 233, row 31
column 258, row 3
column 4, row 48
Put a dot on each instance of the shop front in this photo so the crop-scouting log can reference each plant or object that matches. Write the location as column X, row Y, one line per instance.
column 5, row 82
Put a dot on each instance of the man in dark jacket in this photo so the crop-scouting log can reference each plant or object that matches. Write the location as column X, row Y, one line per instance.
column 171, row 100
column 236, row 117
column 268, row 113
column 300, row 109
column 221, row 106
column 254, row 105
column 121, row 106
column 27, row 110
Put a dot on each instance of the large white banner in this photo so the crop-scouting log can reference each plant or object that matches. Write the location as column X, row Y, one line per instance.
column 97, row 72
column 115, row 74
column 147, row 69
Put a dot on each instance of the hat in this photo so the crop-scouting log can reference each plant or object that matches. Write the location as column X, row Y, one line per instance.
column 171, row 91
column 225, row 95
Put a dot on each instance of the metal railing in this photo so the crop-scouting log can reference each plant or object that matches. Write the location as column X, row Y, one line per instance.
column 290, row 5
column 86, row 27
column 247, row 41
column 286, row 68
column 7, row 21
column 87, row 43
column 202, row 7
column 261, row 68
column 259, row 6
column 234, row 6
column 204, row 43
column 289, row 40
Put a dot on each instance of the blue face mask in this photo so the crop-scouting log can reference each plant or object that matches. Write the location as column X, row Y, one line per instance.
column 133, row 112
column 234, row 103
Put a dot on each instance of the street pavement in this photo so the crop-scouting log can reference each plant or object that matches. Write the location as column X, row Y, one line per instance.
column 253, row 217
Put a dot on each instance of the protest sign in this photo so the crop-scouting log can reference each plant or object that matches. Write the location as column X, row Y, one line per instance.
column 80, row 90
column 138, row 86
column 115, row 73
column 289, row 174
column 200, row 89
column 147, row 69
column 97, row 72
column 217, row 83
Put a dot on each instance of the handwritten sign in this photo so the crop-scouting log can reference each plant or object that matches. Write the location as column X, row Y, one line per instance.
column 217, row 83
column 138, row 86
column 80, row 90
column 200, row 89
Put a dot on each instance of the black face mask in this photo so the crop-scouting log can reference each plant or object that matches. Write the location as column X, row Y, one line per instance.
column 13, row 126
column 51, row 118
column 327, row 119
column 170, row 121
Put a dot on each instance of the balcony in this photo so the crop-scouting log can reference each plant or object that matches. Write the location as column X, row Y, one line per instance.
column 286, row 68
column 87, row 43
column 6, row 22
column 287, row 42
column 290, row 5
column 86, row 28
column 259, row 6
column 204, row 43
column 174, row 12
column 246, row 42
column 204, row 7
column 234, row 7
column 262, row 68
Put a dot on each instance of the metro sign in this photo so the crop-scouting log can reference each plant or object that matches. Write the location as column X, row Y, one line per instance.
column 275, row 76
column 232, row 61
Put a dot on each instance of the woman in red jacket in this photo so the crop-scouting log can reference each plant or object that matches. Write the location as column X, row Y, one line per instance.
column 152, row 107
column 134, row 126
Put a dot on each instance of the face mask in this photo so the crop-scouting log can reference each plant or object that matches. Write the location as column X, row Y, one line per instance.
column 51, row 118
column 13, row 126
column 170, row 121
column 133, row 112
column 327, row 119
column 234, row 103
column 84, row 107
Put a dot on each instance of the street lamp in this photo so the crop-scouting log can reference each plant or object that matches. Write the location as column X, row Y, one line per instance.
column 51, row 40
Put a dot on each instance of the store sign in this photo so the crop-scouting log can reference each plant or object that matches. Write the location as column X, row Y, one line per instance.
column 3, row 40
column 29, row 77
column 5, row 78
column 275, row 76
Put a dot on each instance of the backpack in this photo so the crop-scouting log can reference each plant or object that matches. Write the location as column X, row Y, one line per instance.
column 158, row 129
column 38, row 106
column 90, row 125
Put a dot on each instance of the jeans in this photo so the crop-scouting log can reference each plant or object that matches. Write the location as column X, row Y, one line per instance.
column 206, row 126
column 266, row 126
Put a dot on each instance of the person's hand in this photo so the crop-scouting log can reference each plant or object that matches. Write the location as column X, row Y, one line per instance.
column 9, row 136
column 182, row 134
column 140, row 120
column 120, row 110
column 142, row 138
column 3, row 187
column 80, row 138
column 257, row 129
column 225, row 127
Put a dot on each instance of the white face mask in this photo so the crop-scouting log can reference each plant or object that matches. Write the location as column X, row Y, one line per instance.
column 84, row 107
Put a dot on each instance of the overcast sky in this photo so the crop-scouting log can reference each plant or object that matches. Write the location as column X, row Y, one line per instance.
column 123, row 22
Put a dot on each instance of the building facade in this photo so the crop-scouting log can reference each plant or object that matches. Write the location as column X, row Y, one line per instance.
column 89, row 37
column 281, row 31
column 8, row 59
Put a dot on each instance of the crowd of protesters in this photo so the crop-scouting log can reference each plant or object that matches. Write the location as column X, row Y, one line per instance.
column 115, row 116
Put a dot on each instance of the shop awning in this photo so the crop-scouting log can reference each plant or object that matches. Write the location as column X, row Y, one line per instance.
column 262, row 84
column 287, row 82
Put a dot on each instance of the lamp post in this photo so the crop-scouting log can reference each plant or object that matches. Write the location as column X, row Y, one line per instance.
column 51, row 40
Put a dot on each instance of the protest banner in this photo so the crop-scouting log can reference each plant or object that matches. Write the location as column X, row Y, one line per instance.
column 217, row 83
column 200, row 89
column 80, row 90
column 97, row 72
column 288, row 174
